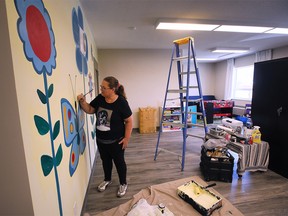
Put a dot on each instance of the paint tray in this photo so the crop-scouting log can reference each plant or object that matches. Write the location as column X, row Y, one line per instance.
column 200, row 197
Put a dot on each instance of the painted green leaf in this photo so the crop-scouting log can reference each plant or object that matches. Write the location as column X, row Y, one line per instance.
column 41, row 124
column 59, row 155
column 56, row 129
column 41, row 96
column 47, row 164
column 92, row 134
column 92, row 119
column 50, row 90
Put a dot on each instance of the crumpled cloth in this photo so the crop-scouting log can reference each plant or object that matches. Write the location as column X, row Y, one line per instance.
column 143, row 208
column 213, row 143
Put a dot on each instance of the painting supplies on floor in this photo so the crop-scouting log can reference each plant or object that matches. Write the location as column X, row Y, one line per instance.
column 200, row 197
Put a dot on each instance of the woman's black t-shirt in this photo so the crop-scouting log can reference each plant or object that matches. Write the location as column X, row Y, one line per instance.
column 110, row 117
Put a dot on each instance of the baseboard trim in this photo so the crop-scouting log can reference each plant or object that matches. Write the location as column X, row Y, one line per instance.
column 137, row 130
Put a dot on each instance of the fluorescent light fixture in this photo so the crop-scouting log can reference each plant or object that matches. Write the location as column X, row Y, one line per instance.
column 230, row 50
column 244, row 29
column 185, row 26
column 202, row 59
column 278, row 31
column 204, row 25
column 206, row 59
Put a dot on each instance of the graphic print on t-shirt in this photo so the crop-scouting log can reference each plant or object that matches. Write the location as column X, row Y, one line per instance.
column 103, row 119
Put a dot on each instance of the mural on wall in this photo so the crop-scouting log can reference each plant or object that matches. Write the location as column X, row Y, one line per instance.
column 74, row 120
column 81, row 42
column 92, row 117
column 35, row 31
column 73, row 123
column 91, row 84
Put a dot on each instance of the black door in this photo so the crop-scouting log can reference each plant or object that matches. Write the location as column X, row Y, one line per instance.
column 270, row 110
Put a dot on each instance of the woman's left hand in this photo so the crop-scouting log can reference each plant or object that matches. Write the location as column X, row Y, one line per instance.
column 124, row 143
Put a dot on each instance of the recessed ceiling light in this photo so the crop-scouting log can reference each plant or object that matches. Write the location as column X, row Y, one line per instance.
column 278, row 31
column 185, row 26
column 230, row 50
column 244, row 29
column 132, row 28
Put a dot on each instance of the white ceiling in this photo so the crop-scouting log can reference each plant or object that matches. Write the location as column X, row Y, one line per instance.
column 130, row 24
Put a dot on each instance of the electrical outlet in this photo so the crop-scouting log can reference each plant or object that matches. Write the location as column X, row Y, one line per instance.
column 75, row 208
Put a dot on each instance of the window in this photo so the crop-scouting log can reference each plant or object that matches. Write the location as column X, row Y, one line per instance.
column 242, row 83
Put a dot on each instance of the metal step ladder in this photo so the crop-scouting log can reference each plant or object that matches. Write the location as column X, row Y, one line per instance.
column 187, row 71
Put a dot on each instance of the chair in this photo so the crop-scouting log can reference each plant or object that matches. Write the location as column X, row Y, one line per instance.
column 247, row 110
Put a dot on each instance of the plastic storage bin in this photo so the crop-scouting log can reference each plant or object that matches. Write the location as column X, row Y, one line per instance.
column 217, row 168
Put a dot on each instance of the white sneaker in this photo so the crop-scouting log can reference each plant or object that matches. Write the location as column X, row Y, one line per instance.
column 122, row 190
column 102, row 186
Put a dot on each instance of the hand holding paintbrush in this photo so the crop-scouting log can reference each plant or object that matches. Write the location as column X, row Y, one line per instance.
column 88, row 92
column 83, row 104
column 81, row 97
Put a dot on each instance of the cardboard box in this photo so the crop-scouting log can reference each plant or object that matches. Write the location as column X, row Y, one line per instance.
column 147, row 120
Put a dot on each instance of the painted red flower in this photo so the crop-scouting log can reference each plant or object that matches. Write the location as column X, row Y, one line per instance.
column 35, row 31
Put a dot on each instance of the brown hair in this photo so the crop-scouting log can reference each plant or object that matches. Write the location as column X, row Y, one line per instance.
column 114, row 83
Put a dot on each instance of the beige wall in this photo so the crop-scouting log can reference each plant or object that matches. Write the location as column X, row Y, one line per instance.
column 144, row 75
column 280, row 52
column 15, row 196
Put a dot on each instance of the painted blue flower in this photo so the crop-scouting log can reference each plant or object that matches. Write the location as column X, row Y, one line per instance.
column 35, row 31
column 90, row 84
column 80, row 39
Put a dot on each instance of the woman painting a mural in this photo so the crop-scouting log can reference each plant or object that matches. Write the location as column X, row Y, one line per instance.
column 113, row 129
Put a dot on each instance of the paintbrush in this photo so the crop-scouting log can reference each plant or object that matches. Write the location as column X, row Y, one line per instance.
column 88, row 92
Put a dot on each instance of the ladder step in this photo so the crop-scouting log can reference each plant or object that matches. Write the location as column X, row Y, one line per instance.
column 176, row 91
column 184, row 87
column 180, row 125
column 193, row 100
column 197, row 125
column 197, row 136
column 173, row 99
column 182, row 58
column 185, row 73
column 195, row 113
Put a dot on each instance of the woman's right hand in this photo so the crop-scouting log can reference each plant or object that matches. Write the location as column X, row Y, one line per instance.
column 80, row 98
column 84, row 105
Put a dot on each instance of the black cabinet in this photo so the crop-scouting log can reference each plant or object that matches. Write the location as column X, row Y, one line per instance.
column 209, row 112
column 270, row 110
column 221, row 108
